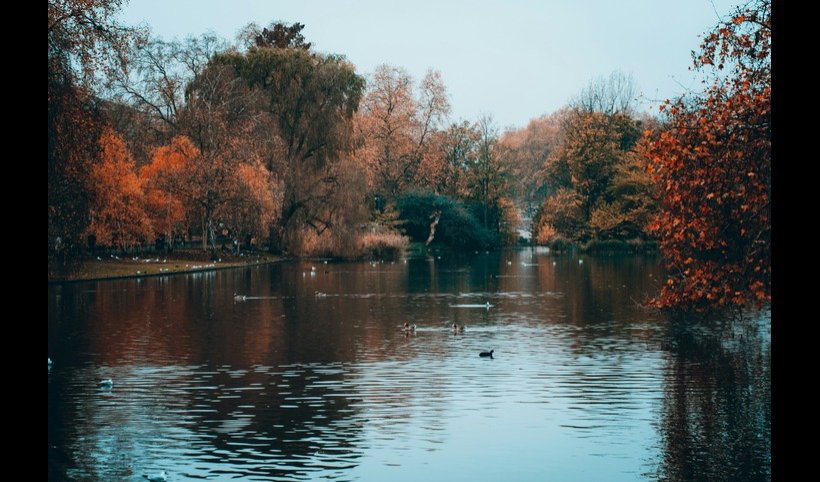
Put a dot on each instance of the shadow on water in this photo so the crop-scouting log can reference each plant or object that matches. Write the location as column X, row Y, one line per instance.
column 312, row 377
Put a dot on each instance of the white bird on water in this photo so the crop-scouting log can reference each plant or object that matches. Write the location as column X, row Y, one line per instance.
column 237, row 297
column 160, row 477
column 49, row 362
column 107, row 383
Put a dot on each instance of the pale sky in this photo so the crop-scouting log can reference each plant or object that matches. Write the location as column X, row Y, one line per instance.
column 513, row 59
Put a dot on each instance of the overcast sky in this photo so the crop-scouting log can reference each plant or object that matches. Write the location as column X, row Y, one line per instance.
column 513, row 59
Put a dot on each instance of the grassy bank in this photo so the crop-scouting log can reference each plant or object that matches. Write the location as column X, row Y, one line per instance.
column 113, row 268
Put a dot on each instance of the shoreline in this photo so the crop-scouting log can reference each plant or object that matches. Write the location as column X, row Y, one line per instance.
column 107, row 270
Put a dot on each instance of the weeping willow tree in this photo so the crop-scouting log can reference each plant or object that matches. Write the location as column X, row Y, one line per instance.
column 311, row 98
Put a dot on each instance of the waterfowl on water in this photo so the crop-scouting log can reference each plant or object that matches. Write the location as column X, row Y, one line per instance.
column 160, row 477
column 49, row 362
column 237, row 297
column 487, row 353
column 107, row 383
column 458, row 328
column 408, row 327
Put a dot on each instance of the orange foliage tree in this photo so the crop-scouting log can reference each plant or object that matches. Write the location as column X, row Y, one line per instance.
column 458, row 146
column 164, row 180
column 84, row 44
column 259, row 202
column 118, row 216
column 713, row 164
column 529, row 148
column 592, row 190
column 399, row 129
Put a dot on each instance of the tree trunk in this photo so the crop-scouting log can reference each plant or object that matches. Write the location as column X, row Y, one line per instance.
column 204, row 234
column 435, row 217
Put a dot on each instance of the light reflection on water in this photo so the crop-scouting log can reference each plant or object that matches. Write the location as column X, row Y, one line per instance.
column 312, row 377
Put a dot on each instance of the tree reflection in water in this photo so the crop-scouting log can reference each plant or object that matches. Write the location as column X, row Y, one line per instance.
column 716, row 413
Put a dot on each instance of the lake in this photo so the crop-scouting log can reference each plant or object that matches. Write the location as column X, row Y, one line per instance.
column 313, row 378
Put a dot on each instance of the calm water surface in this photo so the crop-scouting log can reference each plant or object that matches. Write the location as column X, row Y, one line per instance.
column 312, row 378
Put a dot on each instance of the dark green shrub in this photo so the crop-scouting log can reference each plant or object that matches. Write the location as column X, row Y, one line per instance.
column 457, row 227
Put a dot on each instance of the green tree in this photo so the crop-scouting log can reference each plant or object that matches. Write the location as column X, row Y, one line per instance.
column 456, row 226
column 277, row 35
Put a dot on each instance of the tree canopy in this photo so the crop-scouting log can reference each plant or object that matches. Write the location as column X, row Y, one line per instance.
column 713, row 166
column 270, row 144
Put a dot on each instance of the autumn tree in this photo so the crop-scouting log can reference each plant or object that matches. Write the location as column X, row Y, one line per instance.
column 218, row 117
column 388, row 116
column 166, row 184
column 433, row 106
column 458, row 145
column 258, row 204
column 85, row 45
column 184, row 94
column 118, row 217
column 488, row 181
column 561, row 214
column 713, row 164
column 529, row 149
column 269, row 126
column 310, row 98
column 594, row 172
column 400, row 125
column 629, row 202
column 149, row 100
